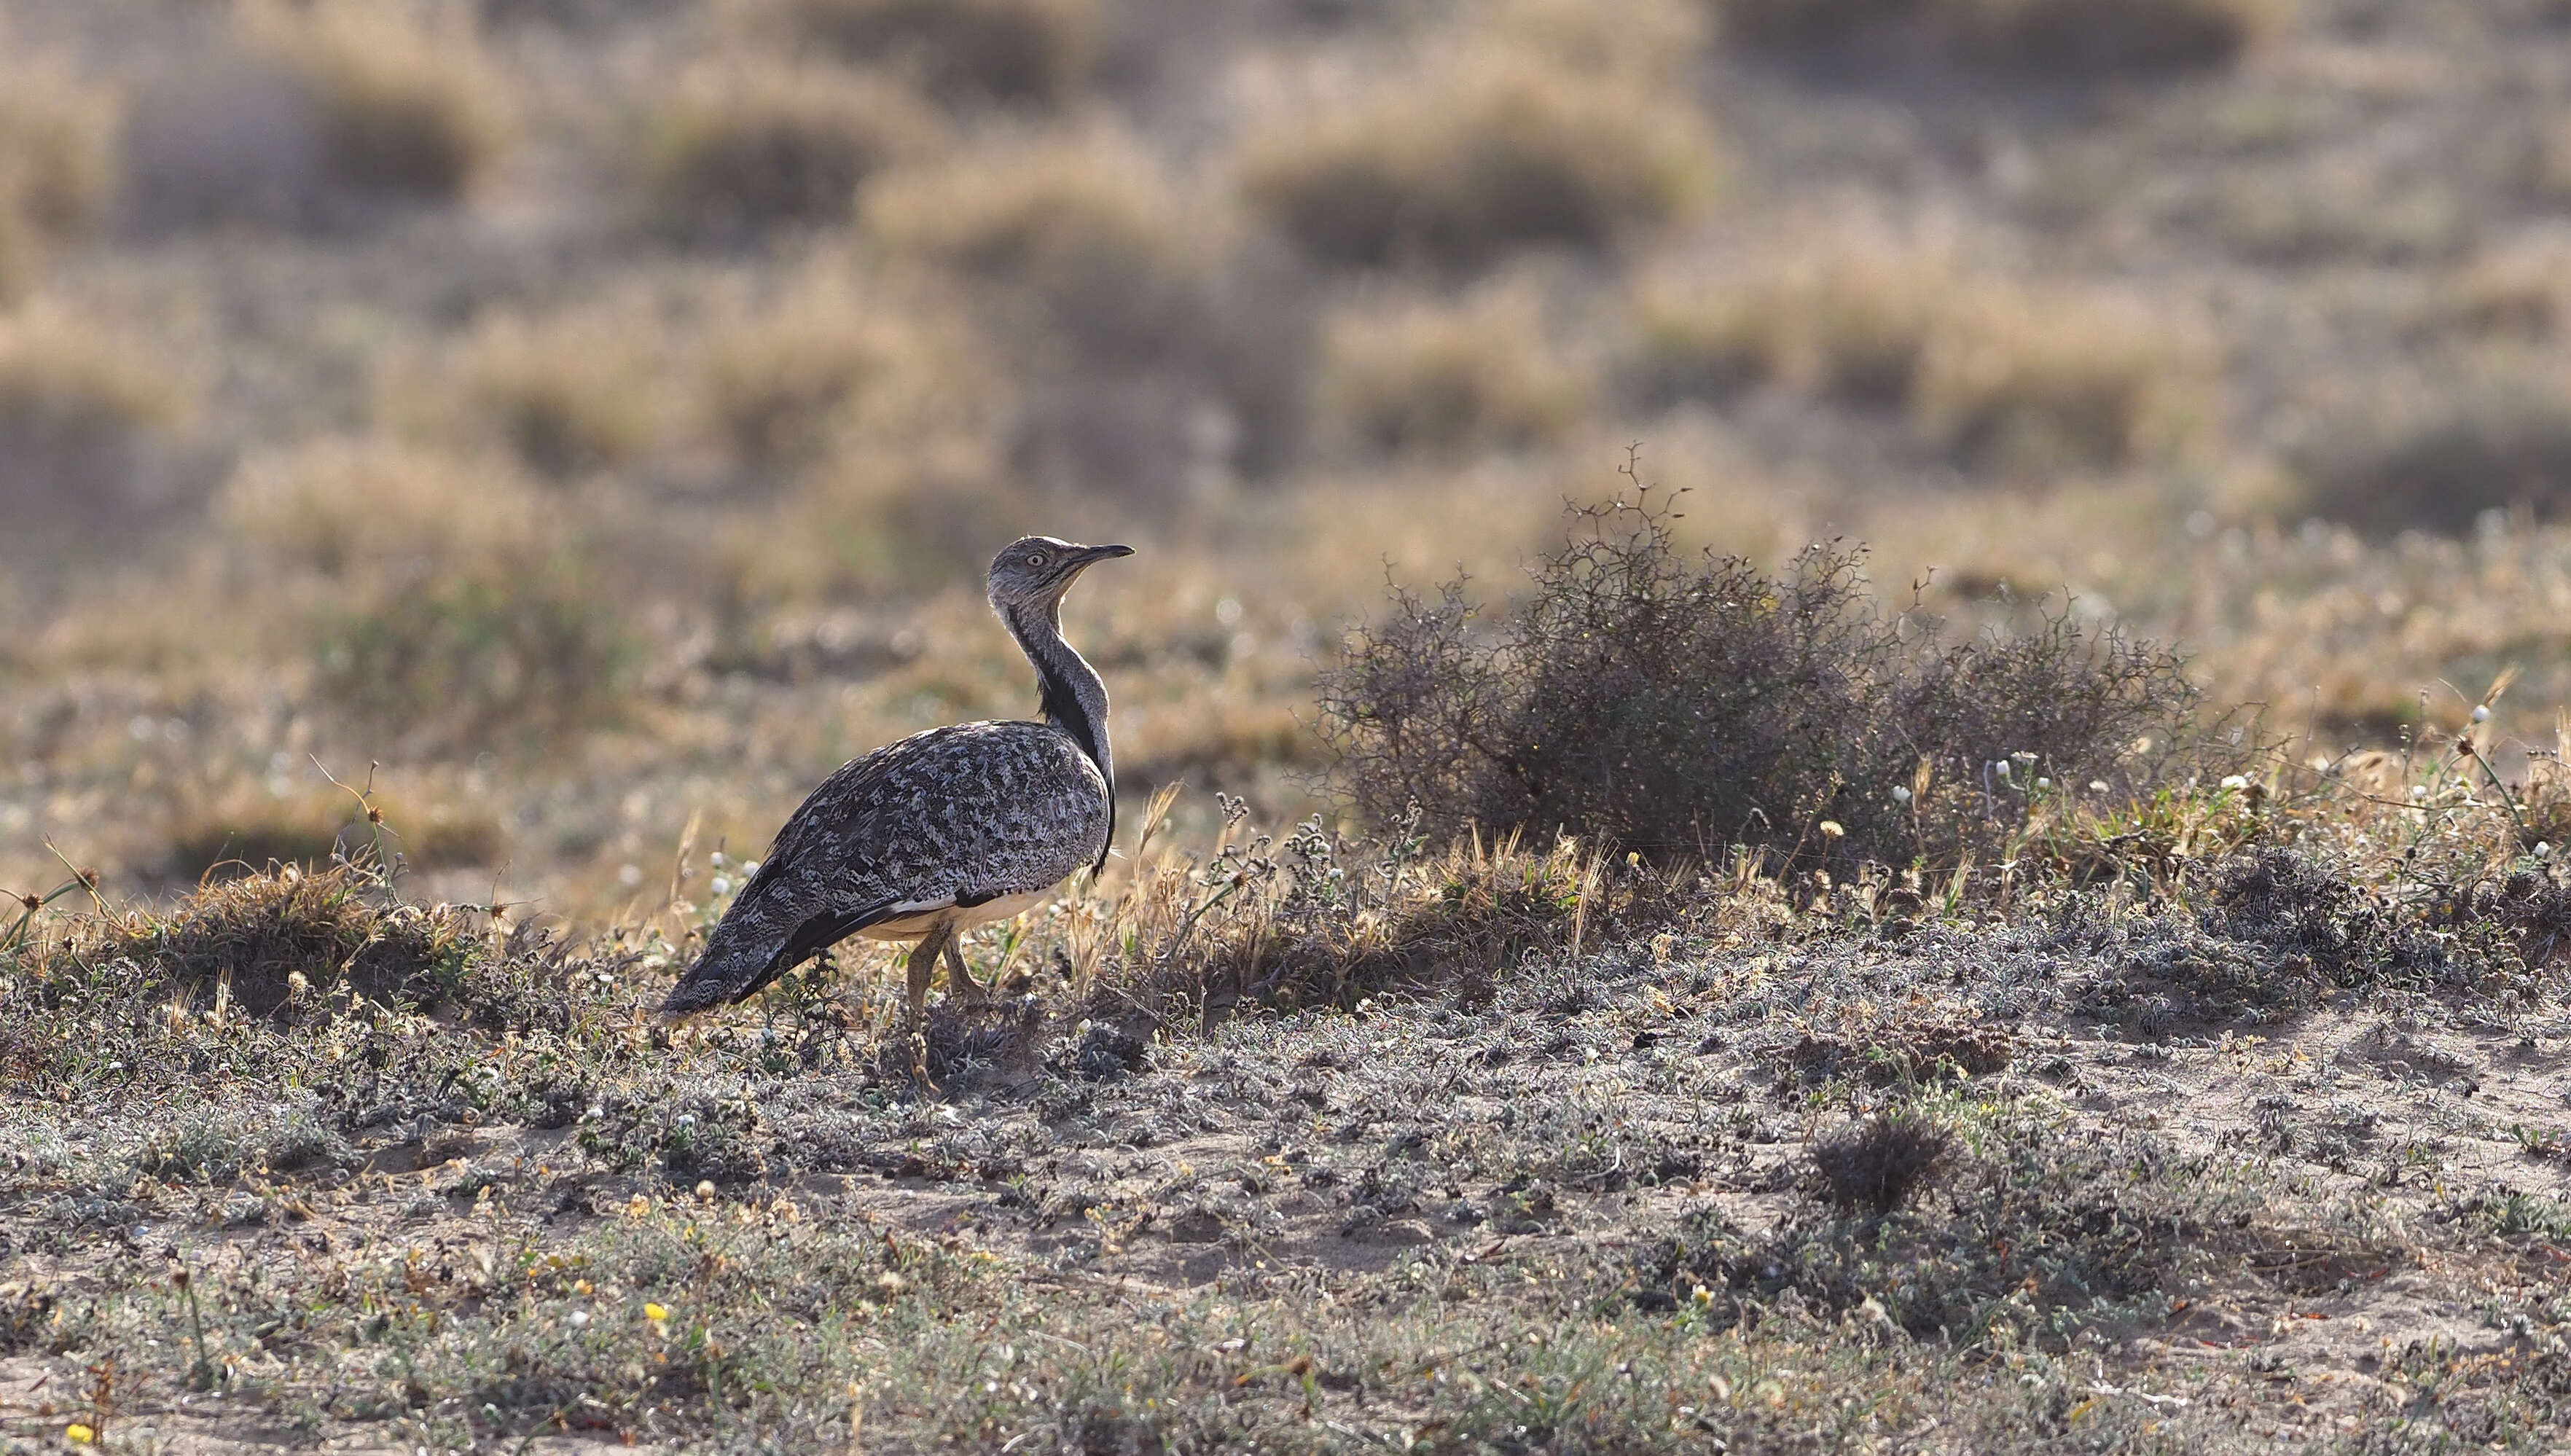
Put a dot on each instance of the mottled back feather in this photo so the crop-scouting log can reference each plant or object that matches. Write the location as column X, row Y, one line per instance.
column 978, row 810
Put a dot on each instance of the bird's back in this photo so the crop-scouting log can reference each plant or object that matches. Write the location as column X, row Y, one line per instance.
column 963, row 814
column 972, row 808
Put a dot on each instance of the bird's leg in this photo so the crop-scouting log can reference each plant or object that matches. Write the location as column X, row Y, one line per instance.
column 923, row 965
column 960, row 980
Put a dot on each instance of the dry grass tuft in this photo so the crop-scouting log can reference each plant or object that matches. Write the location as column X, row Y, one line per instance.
column 57, row 162
column 1644, row 43
column 268, row 942
column 1010, row 51
column 408, row 101
column 255, row 829
column 475, row 623
column 1317, row 920
column 523, row 655
column 64, row 379
column 780, row 389
column 2013, row 377
column 79, row 409
column 748, row 144
column 2495, row 438
column 1436, row 378
column 356, row 510
column 1090, row 224
column 1851, row 325
column 874, row 522
column 2036, row 380
column 827, row 361
column 1064, row 203
column 1805, row 22
column 2519, row 291
column 2110, row 34
column 1480, row 149
column 568, row 396
column 2037, row 35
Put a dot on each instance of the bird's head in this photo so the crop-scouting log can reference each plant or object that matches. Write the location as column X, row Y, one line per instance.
column 1034, row 571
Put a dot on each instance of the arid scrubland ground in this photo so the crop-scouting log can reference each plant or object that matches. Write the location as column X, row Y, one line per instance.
column 595, row 417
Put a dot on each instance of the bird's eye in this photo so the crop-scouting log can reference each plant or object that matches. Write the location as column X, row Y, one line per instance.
column 1035, row 557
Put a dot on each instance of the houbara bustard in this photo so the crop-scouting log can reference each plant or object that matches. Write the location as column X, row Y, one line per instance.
column 946, row 828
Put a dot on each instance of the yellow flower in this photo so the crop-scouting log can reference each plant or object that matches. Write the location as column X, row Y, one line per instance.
column 655, row 1313
column 77, row 1434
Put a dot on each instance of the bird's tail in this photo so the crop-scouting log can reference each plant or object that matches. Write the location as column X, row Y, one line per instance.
column 763, row 936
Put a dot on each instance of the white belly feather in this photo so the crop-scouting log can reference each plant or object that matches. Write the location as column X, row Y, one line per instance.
column 911, row 921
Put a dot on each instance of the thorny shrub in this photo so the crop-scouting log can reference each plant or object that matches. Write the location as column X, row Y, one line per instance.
column 1645, row 701
column 1880, row 1163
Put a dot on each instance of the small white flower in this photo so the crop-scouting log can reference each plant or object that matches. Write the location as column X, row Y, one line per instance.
column 720, row 886
column 2236, row 781
column 749, row 867
column 2004, row 767
column 2481, row 713
column 2098, row 785
column 2043, row 782
column 2418, row 790
column 1900, row 794
column 2543, row 851
column 716, row 859
column 580, row 1319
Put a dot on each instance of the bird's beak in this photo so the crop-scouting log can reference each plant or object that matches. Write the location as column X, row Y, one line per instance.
column 1085, row 557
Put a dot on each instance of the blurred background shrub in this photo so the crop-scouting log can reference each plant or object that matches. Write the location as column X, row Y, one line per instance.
column 755, row 141
column 1009, row 50
column 56, row 161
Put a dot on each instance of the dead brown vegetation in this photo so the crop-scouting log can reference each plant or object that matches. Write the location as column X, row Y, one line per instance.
column 747, row 144
column 1488, row 149
column 57, row 162
column 2036, row 35
column 408, row 101
column 1010, row 51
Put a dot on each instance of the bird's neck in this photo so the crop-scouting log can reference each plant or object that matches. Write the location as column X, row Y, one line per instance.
column 1074, row 700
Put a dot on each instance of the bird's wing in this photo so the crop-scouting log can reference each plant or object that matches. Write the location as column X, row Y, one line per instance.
column 972, row 809
column 804, row 895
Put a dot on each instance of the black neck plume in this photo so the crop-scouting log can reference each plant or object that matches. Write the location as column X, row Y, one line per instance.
column 1070, row 693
